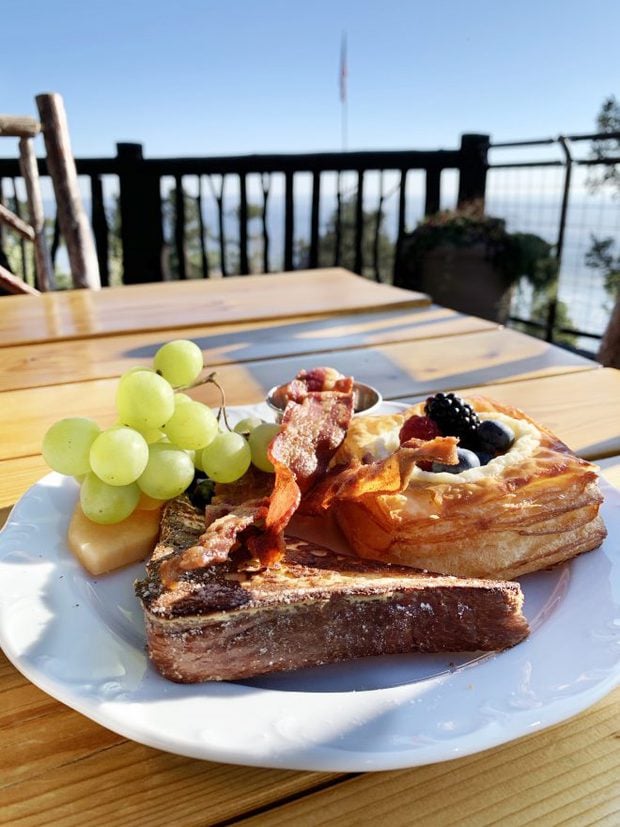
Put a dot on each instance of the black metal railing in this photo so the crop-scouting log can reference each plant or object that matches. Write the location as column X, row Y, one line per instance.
column 142, row 206
column 147, row 212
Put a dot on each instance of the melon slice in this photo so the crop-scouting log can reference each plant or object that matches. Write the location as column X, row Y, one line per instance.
column 103, row 548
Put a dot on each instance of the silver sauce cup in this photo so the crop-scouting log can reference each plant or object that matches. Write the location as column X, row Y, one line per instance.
column 365, row 399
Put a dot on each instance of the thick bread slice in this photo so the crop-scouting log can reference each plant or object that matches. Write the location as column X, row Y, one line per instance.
column 315, row 607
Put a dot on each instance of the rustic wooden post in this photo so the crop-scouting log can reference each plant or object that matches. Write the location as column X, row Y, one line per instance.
column 19, row 126
column 30, row 171
column 141, row 222
column 26, row 128
column 12, row 284
column 72, row 218
column 473, row 169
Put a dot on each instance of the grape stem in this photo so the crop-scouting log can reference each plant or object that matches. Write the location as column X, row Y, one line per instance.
column 211, row 380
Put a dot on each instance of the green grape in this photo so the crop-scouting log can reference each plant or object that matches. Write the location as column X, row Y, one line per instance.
column 181, row 399
column 168, row 472
column 151, row 435
column 259, row 440
column 192, row 425
column 227, row 457
column 136, row 369
column 144, row 400
column 119, row 455
column 247, row 425
column 103, row 503
column 198, row 461
column 66, row 445
column 179, row 361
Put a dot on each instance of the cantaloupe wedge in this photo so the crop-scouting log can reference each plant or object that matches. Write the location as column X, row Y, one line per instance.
column 103, row 548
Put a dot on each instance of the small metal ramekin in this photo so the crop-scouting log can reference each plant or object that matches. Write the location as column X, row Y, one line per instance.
column 365, row 399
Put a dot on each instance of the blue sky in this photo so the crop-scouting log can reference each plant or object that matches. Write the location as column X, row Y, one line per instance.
column 196, row 77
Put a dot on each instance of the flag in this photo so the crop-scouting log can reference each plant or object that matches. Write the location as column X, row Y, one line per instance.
column 343, row 68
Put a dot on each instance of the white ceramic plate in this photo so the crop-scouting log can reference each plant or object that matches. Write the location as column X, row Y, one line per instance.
column 81, row 639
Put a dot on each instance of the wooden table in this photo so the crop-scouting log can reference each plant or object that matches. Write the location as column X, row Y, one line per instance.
column 61, row 354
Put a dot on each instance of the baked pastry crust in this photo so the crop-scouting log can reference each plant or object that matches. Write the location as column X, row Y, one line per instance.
column 530, row 509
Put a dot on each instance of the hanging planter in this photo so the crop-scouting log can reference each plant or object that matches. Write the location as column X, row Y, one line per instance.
column 468, row 261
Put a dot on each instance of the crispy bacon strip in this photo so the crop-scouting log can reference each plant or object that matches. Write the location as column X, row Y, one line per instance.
column 225, row 526
column 317, row 380
column 312, row 432
column 387, row 476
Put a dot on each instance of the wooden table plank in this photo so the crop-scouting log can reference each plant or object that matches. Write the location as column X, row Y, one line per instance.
column 45, row 363
column 418, row 367
column 581, row 408
column 160, row 306
column 53, row 757
column 17, row 476
column 132, row 785
column 569, row 773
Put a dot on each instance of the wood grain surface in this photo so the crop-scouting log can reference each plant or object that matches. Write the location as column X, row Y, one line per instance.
column 83, row 313
column 57, row 362
column 569, row 774
column 400, row 369
column 58, row 767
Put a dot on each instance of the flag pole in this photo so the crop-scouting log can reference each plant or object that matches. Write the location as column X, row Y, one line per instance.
column 343, row 93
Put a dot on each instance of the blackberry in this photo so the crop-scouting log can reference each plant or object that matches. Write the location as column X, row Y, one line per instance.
column 454, row 417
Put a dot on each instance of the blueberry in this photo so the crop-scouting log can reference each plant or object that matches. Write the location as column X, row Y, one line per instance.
column 494, row 437
column 484, row 457
column 467, row 460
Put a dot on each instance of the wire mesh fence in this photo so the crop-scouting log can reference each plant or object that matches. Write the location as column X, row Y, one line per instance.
column 529, row 194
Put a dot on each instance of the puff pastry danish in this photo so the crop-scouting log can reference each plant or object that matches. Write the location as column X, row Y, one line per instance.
column 528, row 509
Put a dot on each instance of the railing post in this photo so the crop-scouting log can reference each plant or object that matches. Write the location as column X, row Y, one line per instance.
column 552, row 309
column 74, row 224
column 473, row 168
column 141, row 220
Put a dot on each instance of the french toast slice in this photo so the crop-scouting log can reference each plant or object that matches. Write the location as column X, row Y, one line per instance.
column 314, row 607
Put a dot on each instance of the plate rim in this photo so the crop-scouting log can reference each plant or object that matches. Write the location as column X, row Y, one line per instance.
column 494, row 733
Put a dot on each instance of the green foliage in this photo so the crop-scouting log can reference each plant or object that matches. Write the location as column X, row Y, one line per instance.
column 607, row 120
column 377, row 247
column 531, row 258
column 515, row 255
column 18, row 255
column 192, row 249
column 601, row 257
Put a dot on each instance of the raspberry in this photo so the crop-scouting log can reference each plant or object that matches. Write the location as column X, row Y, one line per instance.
column 418, row 427
column 454, row 417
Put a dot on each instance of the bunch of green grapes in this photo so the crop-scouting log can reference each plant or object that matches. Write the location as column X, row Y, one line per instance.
column 162, row 439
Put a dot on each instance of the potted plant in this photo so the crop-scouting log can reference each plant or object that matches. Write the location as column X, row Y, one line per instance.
column 467, row 260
